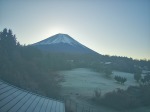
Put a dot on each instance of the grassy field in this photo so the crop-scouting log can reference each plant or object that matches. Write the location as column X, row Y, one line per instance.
column 79, row 85
column 83, row 82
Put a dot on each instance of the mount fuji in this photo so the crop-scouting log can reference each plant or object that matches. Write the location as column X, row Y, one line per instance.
column 62, row 43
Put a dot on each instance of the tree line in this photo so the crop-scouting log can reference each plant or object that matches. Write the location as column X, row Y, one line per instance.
column 29, row 68
column 133, row 97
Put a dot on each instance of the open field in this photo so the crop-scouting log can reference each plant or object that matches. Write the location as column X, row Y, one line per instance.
column 79, row 85
column 83, row 82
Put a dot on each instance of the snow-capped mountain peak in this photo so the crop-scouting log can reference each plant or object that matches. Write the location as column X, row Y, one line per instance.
column 62, row 43
column 59, row 38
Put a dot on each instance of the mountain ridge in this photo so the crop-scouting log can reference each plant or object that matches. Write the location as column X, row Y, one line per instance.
column 63, row 43
column 59, row 38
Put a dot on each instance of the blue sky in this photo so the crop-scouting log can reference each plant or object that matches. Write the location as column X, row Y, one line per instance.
column 113, row 27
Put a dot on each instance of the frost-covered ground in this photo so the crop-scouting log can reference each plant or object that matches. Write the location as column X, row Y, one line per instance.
column 79, row 85
column 84, row 81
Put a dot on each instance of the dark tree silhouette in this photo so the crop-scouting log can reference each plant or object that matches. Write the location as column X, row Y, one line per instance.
column 7, row 41
column 137, row 74
column 120, row 79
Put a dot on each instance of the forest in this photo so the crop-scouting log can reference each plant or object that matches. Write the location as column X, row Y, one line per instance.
column 28, row 68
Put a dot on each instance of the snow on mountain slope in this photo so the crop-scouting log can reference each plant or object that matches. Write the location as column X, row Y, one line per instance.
column 62, row 43
column 59, row 38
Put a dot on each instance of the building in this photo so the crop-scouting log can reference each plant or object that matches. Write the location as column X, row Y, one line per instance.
column 13, row 99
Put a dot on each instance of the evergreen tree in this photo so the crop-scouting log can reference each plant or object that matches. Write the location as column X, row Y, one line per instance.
column 137, row 74
column 120, row 79
column 7, row 41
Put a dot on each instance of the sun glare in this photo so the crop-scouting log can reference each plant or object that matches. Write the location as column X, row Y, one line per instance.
column 56, row 30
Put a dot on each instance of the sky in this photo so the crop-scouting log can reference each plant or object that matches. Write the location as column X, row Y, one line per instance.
column 109, row 27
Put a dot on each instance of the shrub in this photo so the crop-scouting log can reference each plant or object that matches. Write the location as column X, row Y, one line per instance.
column 133, row 97
column 137, row 74
column 97, row 93
column 120, row 100
column 107, row 72
column 120, row 79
